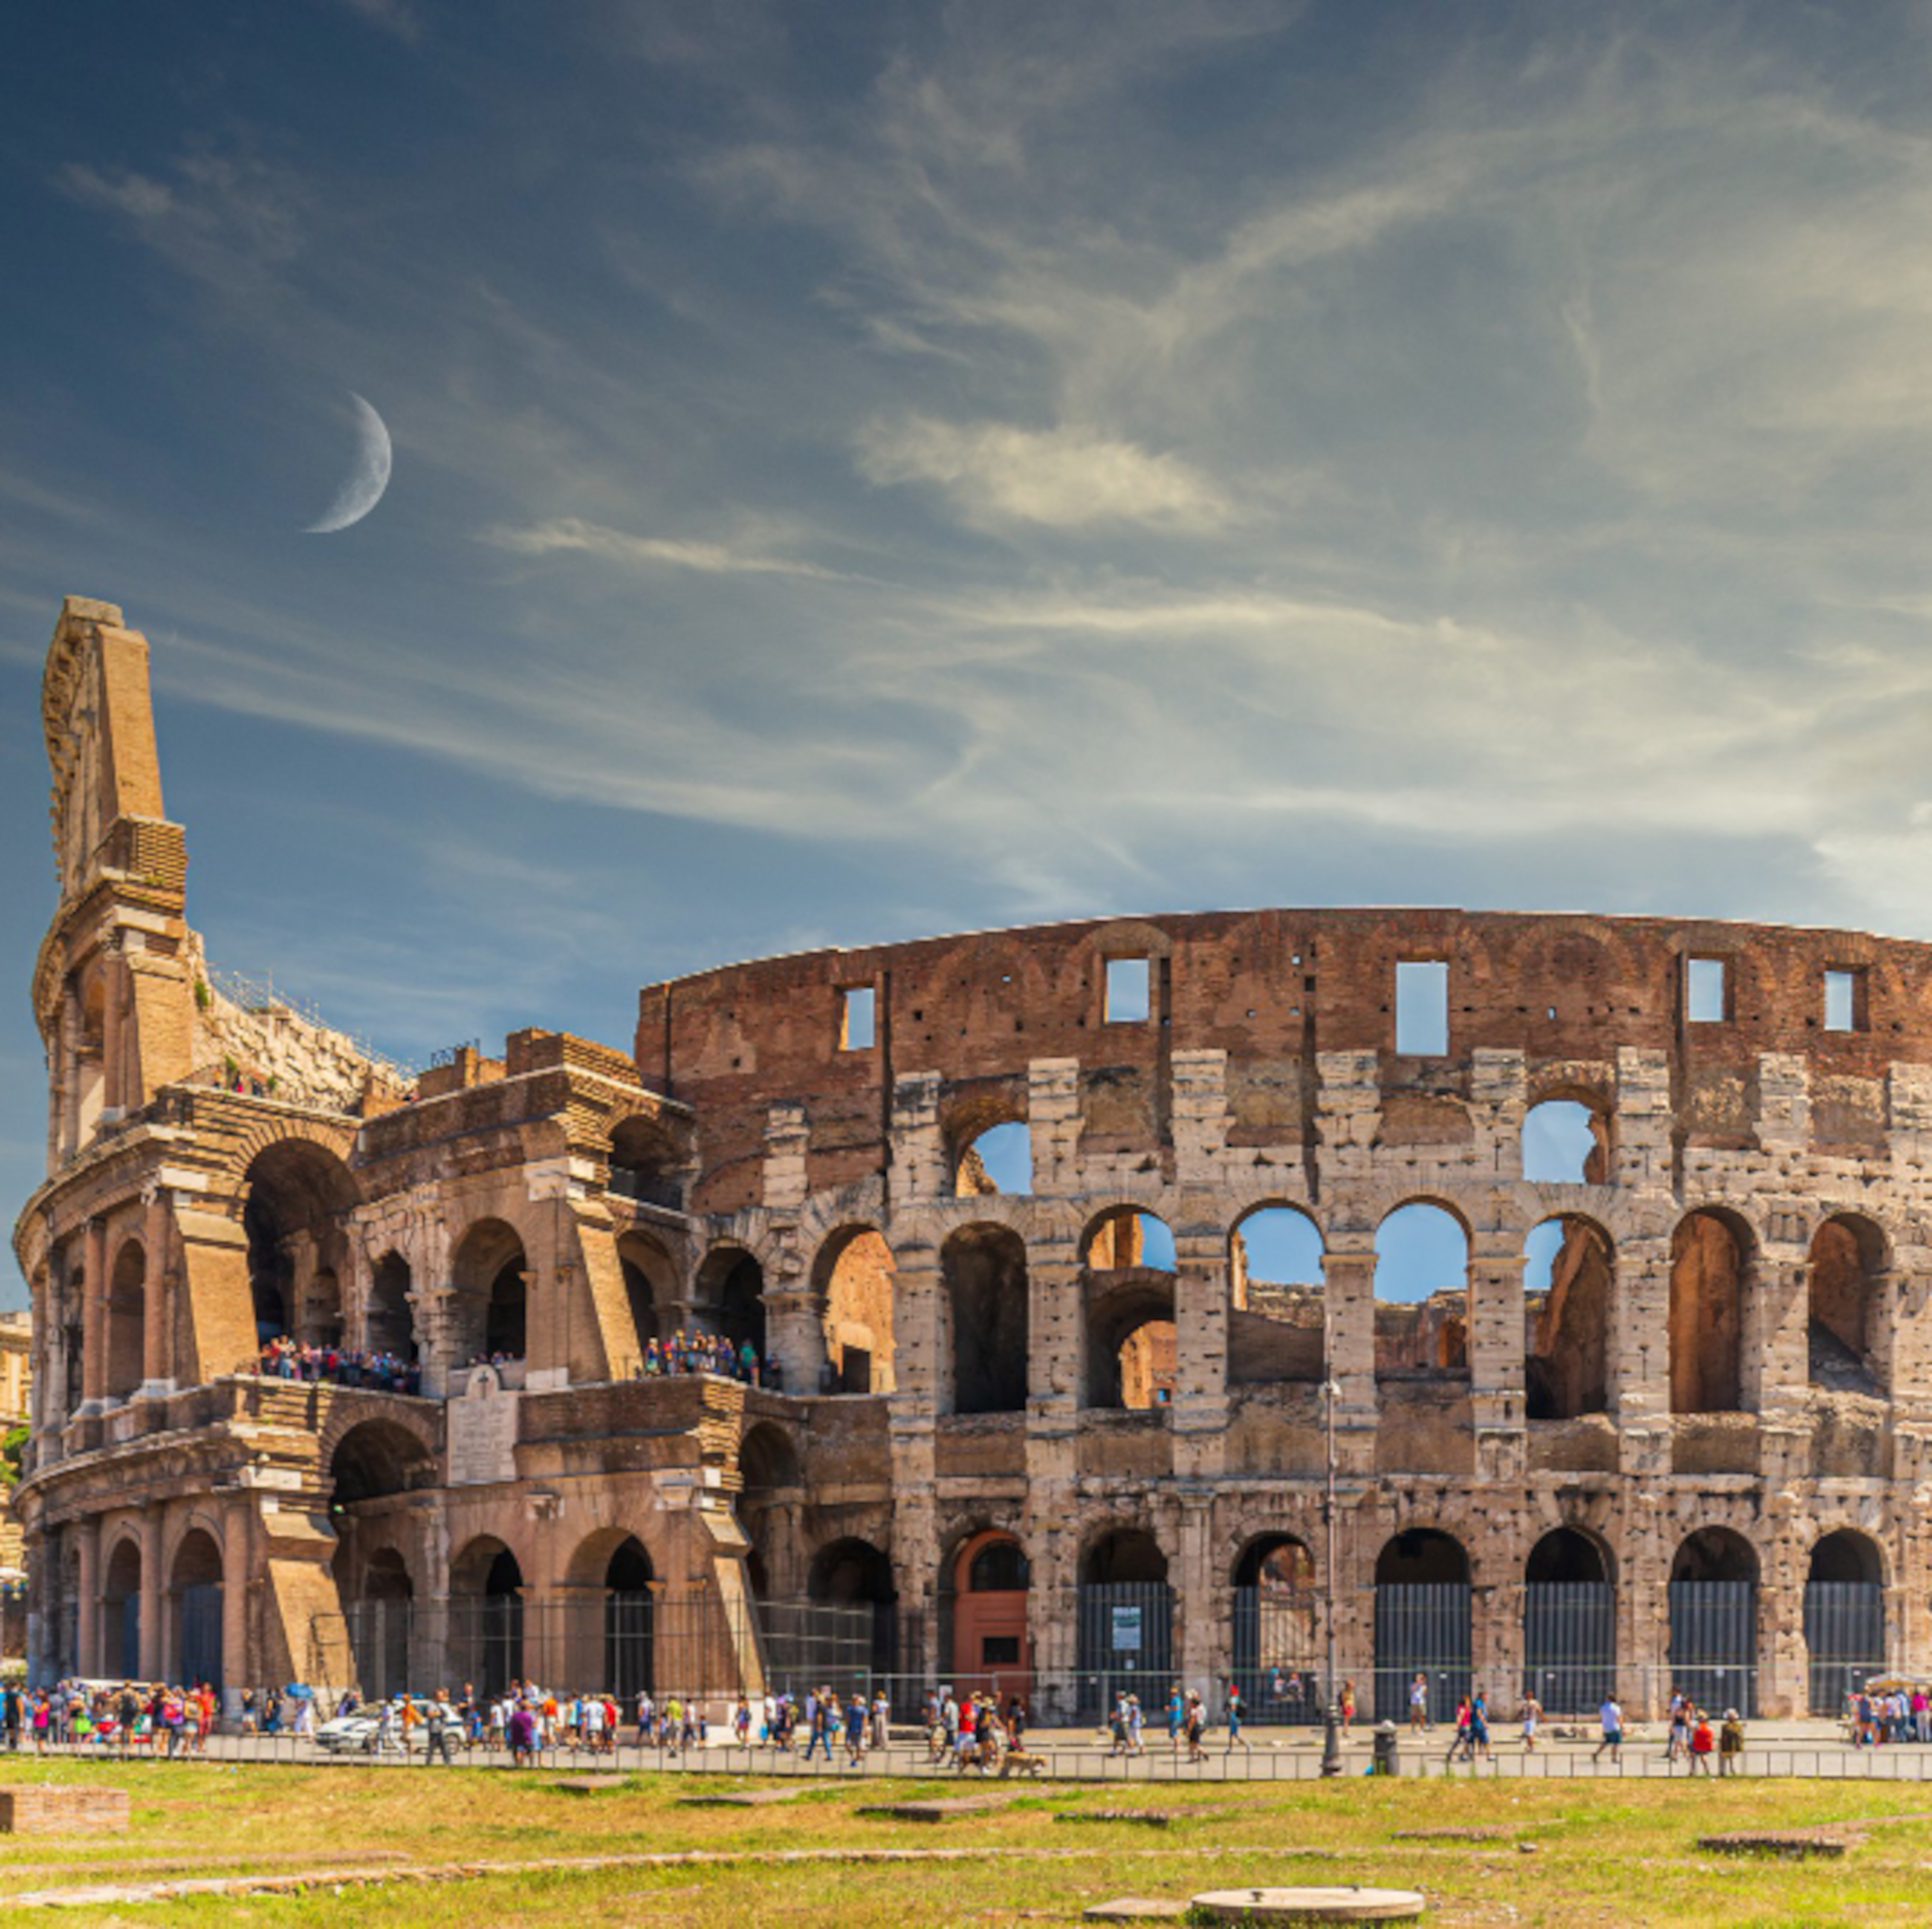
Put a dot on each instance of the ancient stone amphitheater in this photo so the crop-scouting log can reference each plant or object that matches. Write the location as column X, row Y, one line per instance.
column 1588, row 1253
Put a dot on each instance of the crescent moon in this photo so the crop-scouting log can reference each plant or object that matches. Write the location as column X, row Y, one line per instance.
column 369, row 478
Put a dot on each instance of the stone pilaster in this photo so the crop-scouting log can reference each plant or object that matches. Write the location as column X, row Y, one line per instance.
column 1497, row 1399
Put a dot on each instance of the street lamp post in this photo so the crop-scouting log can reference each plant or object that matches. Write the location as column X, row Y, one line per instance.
column 1331, row 1743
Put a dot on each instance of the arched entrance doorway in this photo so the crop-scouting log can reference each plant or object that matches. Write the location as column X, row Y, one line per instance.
column 1125, row 1626
column 1569, row 1623
column 629, row 1629
column 991, row 1578
column 121, row 1620
column 378, row 1615
column 1422, row 1622
column 1277, row 1630
column 1713, row 1652
column 195, row 1597
column 853, row 1579
column 1844, row 1618
column 375, row 1466
column 486, row 1614
column 299, row 1195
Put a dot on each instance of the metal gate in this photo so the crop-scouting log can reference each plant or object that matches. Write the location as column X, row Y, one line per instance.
column 1276, row 1657
column 1713, row 1653
column 379, row 1645
column 810, row 1644
column 1421, row 1629
column 130, row 1637
column 628, row 1636
column 1570, row 1645
column 201, row 1635
column 1844, row 1630
column 1126, row 1646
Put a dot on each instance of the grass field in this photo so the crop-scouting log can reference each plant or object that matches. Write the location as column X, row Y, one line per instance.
column 1603, row 1852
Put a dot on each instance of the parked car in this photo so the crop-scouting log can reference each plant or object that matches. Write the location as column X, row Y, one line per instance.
column 354, row 1733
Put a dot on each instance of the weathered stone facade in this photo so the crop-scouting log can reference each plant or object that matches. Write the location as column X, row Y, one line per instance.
column 1730, row 1362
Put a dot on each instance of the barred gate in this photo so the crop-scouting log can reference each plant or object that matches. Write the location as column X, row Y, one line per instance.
column 1421, row 1628
column 378, row 1637
column 1277, row 1661
column 1570, row 1645
column 809, row 1644
column 1713, row 1653
column 130, row 1637
column 1126, row 1646
column 201, row 1633
column 1844, row 1630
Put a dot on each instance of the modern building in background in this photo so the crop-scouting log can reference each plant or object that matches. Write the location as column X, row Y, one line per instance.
column 1068, row 1257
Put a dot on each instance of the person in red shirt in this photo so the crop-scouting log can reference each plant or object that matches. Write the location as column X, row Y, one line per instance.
column 1702, row 1743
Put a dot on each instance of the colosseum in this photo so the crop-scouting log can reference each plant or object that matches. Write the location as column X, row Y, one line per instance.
column 1068, row 1258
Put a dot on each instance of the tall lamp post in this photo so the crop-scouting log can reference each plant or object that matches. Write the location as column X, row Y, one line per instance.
column 1331, row 1741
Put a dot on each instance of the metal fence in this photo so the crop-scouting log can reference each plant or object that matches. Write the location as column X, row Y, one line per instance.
column 1844, row 1632
column 1125, row 1647
column 1570, row 1645
column 1276, row 1661
column 1421, row 1629
column 1713, row 1652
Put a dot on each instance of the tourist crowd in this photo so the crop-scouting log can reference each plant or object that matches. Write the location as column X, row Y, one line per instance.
column 707, row 1353
column 302, row 1360
column 1877, row 1716
column 153, row 1717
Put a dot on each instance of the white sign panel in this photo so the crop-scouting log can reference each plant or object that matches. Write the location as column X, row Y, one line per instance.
column 1126, row 1630
column 482, row 1424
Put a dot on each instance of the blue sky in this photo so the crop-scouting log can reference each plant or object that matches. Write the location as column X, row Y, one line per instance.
column 861, row 471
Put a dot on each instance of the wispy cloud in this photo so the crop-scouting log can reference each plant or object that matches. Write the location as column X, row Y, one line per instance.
column 571, row 535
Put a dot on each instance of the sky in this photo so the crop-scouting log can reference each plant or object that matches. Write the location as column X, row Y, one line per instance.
column 862, row 472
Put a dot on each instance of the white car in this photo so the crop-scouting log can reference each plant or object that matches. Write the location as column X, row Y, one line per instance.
column 354, row 1733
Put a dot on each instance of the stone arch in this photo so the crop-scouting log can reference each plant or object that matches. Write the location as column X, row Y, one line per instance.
column 486, row 1613
column 490, row 1271
column 1122, row 1555
column 1569, row 1299
column 1277, row 1312
column 376, row 1460
column 1715, row 1554
column 651, row 1279
column 1423, row 1619
column 611, row 1635
column 852, row 1573
column 126, row 1320
column 729, row 1293
column 987, row 1580
column 378, row 1608
column 646, row 1161
column 989, row 1144
column 1846, row 1557
column 769, row 1502
column 852, row 1279
column 1422, row 1289
column 1844, row 1616
column 388, row 1315
column 984, row 1269
column 1844, row 1273
column 1275, row 1624
column 298, row 1193
column 1570, row 1555
column 1130, row 1339
column 1713, row 1596
column 1565, row 1138
column 1711, row 1254
column 194, row 1609
column 120, row 1609
column 1126, row 1238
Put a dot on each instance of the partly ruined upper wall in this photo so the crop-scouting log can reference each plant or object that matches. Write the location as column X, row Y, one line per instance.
column 1272, row 989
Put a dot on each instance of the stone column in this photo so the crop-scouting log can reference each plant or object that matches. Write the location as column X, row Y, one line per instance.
column 152, row 1664
column 1497, row 1398
column 1201, row 1407
column 1643, row 1608
column 87, row 1533
column 913, row 1432
column 1775, row 1371
column 1203, row 1649
column 242, row 1605
column 157, row 1307
column 1348, row 1302
column 94, row 1342
column 1640, row 1361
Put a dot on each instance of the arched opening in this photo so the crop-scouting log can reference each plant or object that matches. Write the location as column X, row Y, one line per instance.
column 1567, row 1280
column 195, row 1597
column 1565, row 1143
column 1422, row 1295
column 1422, row 1621
column 852, row 1281
column 997, row 1161
column 1712, row 1656
column 650, row 1287
column 985, row 1269
column 1847, row 1264
column 770, row 1501
column 1125, row 1640
column 986, row 1590
column 121, row 1600
column 731, row 1289
column 645, row 1165
column 490, row 1273
column 486, row 1614
column 1569, row 1623
column 126, row 1320
column 1132, row 1340
column 1707, row 1274
column 629, row 1629
column 377, row 1459
column 378, row 1616
column 294, row 1213
column 1277, row 1630
column 854, row 1578
column 389, row 1324
column 1276, row 1319
column 1844, row 1618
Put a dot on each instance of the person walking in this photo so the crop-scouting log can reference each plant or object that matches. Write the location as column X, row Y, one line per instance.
column 1194, row 1724
column 1611, row 1717
column 1418, row 1702
column 438, row 1719
column 1234, row 1717
column 1532, row 1713
column 1679, row 1741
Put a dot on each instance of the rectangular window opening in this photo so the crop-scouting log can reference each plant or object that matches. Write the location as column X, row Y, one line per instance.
column 1422, row 1009
column 1129, row 998
column 1844, row 1001
column 855, row 1019
column 1704, row 990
